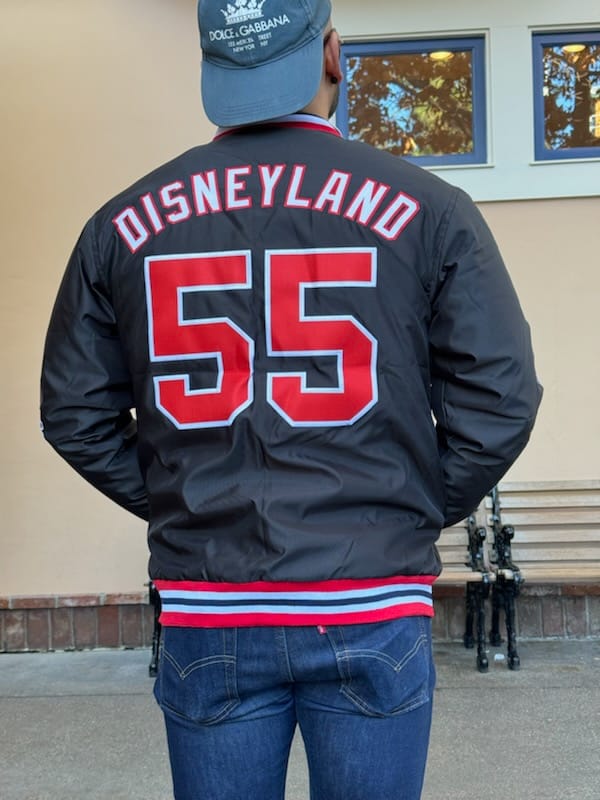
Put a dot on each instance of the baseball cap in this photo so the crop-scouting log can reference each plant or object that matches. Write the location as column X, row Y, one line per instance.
column 260, row 58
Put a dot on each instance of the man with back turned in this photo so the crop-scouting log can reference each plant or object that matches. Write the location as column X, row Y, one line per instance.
column 328, row 364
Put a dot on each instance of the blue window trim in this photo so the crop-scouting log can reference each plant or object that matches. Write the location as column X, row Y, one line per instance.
column 549, row 39
column 455, row 44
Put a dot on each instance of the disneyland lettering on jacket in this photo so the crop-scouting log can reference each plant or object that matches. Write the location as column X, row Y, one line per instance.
column 371, row 205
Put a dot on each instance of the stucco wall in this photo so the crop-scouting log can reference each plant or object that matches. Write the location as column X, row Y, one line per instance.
column 96, row 92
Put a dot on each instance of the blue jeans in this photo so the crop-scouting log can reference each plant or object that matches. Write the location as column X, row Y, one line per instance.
column 361, row 695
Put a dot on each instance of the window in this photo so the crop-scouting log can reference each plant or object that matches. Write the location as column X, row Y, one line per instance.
column 422, row 99
column 566, row 72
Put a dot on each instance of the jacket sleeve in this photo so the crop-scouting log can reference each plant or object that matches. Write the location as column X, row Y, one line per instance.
column 485, row 394
column 86, row 394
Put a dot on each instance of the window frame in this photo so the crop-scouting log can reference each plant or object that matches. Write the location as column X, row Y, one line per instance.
column 477, row 44
column 540, row 40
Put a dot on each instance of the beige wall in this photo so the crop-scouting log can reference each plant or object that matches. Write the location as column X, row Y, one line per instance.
column 96, row 92
column 551, row 248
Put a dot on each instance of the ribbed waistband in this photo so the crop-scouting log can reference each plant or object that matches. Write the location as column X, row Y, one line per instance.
column 202, row 604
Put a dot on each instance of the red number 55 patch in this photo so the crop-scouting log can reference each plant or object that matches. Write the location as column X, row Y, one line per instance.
column 290, row 332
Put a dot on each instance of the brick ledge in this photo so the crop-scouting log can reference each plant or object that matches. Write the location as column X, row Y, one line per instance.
column 87, row 621
column 75, row 622
column 73, row 600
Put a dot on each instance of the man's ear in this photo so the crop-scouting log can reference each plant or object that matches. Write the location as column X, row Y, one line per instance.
column 332, row 52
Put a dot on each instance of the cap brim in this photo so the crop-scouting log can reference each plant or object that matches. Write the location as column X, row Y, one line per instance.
column 241, row 96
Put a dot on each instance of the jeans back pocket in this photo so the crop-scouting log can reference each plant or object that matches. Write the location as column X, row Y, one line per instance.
column 386, row 668
column 196, row 678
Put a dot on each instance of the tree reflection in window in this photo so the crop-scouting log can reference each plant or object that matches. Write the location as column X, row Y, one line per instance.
column 572, row 96
column 567, row 94
column 417, row 99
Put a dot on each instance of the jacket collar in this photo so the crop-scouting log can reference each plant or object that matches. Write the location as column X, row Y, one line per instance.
column 290, row 121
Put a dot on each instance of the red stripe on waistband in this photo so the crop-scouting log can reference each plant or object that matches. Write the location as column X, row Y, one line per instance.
column 344, row 585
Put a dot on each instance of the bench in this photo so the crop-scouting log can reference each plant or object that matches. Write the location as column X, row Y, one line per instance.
column 154, row 600
column 534, row 532
column 544, row 532
column 465, row 561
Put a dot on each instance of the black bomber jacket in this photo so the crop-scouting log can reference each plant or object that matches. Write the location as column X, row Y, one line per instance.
column 326, row 363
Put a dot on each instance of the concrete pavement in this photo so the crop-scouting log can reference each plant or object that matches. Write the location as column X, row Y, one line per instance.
column 84, row 725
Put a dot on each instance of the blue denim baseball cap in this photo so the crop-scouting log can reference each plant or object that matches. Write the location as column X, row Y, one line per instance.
column 260, row 58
